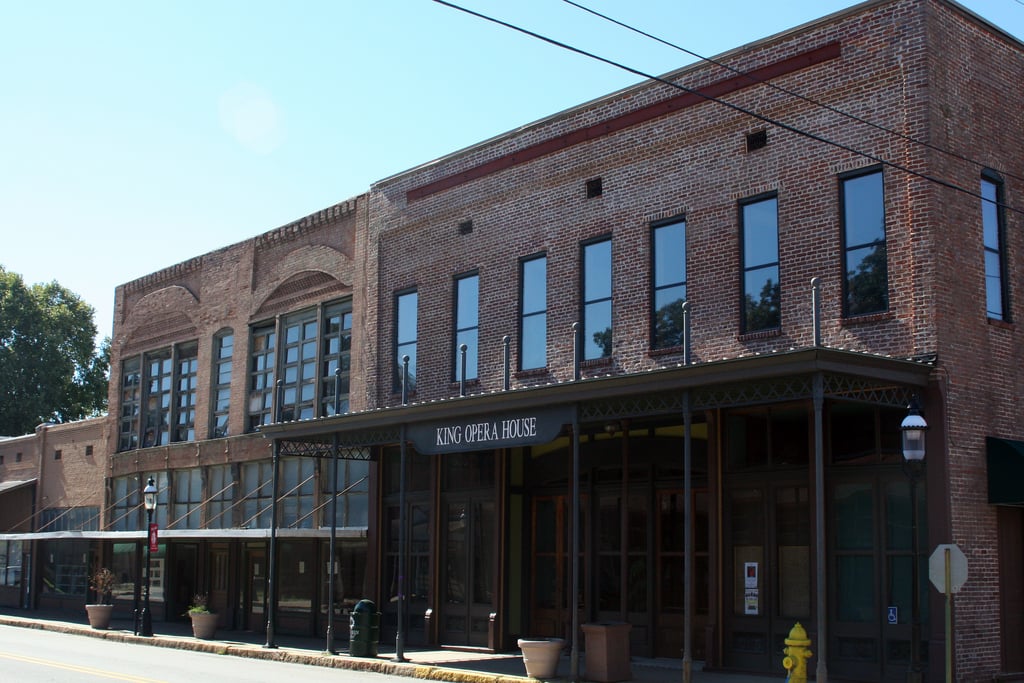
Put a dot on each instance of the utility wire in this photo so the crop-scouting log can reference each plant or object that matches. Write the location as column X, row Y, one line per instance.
column 726, row 103
column 792, row 93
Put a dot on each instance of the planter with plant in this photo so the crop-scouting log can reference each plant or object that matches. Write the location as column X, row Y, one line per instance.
column 102, row 582
column 204, row 622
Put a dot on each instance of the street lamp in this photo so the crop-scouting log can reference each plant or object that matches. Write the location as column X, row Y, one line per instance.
column 149, row 500
column 913, row 429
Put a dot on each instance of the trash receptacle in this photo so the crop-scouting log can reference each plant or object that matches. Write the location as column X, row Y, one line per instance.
column 364, row 629
column 607, row 656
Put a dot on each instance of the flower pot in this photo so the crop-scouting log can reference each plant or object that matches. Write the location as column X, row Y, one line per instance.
column 541, row 655
column 99, row 615
column 204, row 625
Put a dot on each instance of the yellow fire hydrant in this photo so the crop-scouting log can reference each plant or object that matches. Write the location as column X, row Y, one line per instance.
column 797, row 651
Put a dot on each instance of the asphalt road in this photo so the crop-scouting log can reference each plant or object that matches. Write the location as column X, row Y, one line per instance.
column 36, row 656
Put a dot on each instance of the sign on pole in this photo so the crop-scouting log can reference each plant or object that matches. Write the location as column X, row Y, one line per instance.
column 957, row 568
column 154, row 543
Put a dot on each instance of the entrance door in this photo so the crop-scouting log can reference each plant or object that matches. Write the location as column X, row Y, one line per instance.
column 218, row 599
column 469, row 578
column 767, row 572
column 256, row 584
column 551, row 573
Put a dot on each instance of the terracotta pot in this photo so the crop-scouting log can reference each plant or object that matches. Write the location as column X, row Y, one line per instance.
column 541, row 655
column 204, row 625
column 99, row 615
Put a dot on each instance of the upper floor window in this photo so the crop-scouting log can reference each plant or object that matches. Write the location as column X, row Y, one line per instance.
column 185, row 393
column 866, row 279
column 337, row 355
column 188, row 499
column 669, row 290
column 131, row 397
column 597, row 299
column 759, row 240
column 221, row 485
column 353, row 489
column 168, row 398
column 223, row 350
column 533, row 327
column 261, row 376
column 995, row 254
column 405, row 337
column 467, row 324
column 314, row 343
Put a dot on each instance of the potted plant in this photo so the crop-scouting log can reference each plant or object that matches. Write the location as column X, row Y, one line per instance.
column 102, row 582
column 541, row 655
column 204, row 622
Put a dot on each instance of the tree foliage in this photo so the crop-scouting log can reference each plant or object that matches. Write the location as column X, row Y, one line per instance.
column 50, row 368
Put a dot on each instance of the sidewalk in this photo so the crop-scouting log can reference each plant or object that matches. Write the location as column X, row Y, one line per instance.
column 439, row 665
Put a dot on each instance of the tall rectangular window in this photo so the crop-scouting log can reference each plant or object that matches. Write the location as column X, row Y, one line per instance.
column 221, row 493
column 597, row 300
column 337, row 354
column 223, row 350
column 299, row 366
column 533, row 327
column 759, row 242
column 257, row 495
column 353, row 490
column 185, row 393
column 669, row 290
column 188, row 499
column 405, row 337
column 261, row 376
column 995, row 255
column 467, row 324
column 159, row 371
column 131, row 404
column 298, row 493
column 866, row 280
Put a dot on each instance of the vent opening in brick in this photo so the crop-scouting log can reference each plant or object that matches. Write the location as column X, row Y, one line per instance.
column 757, row 140
column 465, row 227
column 594, row 188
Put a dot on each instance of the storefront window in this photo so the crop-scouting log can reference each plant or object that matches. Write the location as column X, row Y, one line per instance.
column 297, row 577
column 65, row 567
column 10, row 563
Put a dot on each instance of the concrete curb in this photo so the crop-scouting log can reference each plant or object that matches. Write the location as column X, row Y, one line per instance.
column 281, row 654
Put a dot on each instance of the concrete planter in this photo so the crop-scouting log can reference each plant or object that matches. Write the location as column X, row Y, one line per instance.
column 99, row 615
column 541, row 655
column 204, row 625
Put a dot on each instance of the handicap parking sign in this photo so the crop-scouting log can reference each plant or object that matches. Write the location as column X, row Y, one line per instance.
column 893, row 615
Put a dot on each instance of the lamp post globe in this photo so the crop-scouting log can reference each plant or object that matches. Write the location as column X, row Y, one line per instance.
column 149, row 501
column 912, row 430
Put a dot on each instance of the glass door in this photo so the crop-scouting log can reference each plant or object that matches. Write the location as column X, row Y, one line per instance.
column 469, row 577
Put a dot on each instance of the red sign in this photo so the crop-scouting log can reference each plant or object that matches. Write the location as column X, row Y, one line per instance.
column 154, row 545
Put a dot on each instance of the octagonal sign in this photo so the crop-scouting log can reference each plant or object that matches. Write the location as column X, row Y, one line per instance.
column 957, row 567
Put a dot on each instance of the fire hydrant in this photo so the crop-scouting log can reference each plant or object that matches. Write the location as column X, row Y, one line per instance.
column 797, row 652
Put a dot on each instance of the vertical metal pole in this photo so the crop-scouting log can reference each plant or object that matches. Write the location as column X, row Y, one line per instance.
column 576, row 351
column 816, row 309
column 462, row 369
column 949, row 622
column 507, row 361
column 399, row 632
column 914, row 676
column 272, row 560
column 334, row 520
column 574, row 657
column 686, row 333
column 687, row 537
column 147, row 617
column 821, row 613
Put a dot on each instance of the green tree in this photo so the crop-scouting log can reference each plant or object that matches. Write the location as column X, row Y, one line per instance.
column 50, row 368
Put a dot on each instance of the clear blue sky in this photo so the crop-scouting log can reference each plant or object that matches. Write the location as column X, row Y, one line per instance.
column 135, row 135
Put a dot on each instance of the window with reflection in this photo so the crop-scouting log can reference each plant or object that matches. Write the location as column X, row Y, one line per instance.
column 533, row 325
column 669, row 291
column 759, row 239
column 220, row 497
column 866, row 281
column 131, row 404
column 406, row 304
column 223, row 350
column 467, row 325
column 353, row 488
column 995, row 256
column 597, row 300
column 188, row 499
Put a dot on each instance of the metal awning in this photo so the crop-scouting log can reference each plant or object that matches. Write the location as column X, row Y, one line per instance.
column 8, row 486
column 185, row 534
column 1005, row 471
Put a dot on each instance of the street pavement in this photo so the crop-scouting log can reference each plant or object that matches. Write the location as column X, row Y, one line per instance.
column 457, row 666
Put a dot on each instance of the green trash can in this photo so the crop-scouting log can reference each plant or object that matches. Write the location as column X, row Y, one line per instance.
column 364, row 629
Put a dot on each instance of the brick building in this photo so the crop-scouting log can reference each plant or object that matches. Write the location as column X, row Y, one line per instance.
column 648, row 357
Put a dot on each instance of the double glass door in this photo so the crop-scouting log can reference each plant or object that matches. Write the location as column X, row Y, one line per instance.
column 469, row 575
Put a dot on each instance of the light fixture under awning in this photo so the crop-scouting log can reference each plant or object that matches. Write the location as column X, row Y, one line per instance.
column 1005, row 471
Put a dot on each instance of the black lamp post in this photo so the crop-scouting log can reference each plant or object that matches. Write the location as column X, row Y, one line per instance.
column 913, row 429
column 149, row 500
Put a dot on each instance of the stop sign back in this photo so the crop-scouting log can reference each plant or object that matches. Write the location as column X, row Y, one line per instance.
column 957, row 568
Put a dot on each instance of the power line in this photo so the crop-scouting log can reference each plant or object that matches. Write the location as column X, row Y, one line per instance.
column 792, row 93
column 726, row 103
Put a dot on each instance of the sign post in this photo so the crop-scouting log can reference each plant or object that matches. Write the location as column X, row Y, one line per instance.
column 947, row 569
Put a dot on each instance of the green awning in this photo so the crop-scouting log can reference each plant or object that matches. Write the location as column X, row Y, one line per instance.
column 1005, row 471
